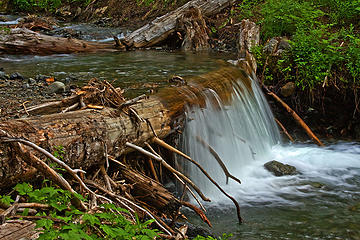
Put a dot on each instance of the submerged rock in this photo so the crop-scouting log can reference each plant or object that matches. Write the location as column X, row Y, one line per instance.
column 280, row 169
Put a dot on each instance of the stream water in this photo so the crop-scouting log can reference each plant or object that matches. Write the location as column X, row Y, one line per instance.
column 323, row 202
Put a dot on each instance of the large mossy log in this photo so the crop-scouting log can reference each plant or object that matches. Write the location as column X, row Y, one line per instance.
column 24, row 41
column 86, row 135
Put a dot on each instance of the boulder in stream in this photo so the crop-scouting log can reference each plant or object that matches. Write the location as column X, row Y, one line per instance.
column 280, row 169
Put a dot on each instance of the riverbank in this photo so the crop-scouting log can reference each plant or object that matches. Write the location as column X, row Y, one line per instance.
column 320, row 106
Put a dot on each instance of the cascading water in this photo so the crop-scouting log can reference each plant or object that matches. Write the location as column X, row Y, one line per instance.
column 321, row 202
column 240, row 133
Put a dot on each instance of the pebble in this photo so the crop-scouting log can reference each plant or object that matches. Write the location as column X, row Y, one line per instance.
column 16, row 75
column 2, row 75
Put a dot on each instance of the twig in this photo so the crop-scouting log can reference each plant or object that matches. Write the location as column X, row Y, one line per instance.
column 171, row 169
column 106, row 156
column 218, row 159
column 296, row 117
column 10, row 211
column 72, row 107
column 179, row 179
column 212, row 151
column 64, row 183
column 38, row 218
column 106, row 178
column 284, row 130
column 215, row 183
column 25, row 107
column 129, row 202
column 152, row 168
column 198, row 211
column 133, row 101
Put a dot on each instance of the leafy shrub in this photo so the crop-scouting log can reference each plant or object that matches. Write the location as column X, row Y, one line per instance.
column 76, row 225
column 282, row 17
column 48, row 5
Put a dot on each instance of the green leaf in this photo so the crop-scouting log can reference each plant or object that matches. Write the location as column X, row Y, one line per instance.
column 6, row 200
column 91, row 219
column 44, row 223
column 23, row 188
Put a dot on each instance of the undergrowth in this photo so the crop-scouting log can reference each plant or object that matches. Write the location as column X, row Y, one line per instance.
column 324, row 37
column 63, row 221
column 48, row 5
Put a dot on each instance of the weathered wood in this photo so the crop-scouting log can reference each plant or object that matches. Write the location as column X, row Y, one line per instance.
column 25, row 41
column 84, row 134
column 193, row 25
column 249, row 37
column 18, row 229
column 149, row 191
column 158, row 30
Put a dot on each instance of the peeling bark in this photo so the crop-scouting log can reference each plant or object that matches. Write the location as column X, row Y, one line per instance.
column 25, row 41
column 158, row 30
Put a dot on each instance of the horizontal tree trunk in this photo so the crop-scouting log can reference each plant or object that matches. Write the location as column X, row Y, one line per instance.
column 159, row 29
column 86, row 135
column 24, row 41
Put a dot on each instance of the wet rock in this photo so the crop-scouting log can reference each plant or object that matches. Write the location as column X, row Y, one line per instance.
column 284, row 44
column 25, row 86
column 3, row 76
column 355, row 208
column 170, row 186
column 66, row 33
column 280, row 169
column 271, row 46
column 16, row 75
column 32, row 81
column 56, row 87
column 317, row 185
column 41, row 77
column 193, row 230
column 288, row 89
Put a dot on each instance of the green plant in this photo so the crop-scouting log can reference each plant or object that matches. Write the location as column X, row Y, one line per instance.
column 283, row 17
column 106, row 223
column 48, row 5
column 223, row 237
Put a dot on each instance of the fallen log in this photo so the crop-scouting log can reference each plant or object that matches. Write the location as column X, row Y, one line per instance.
column 86, row 134
column 25, row 41
column 160, row 29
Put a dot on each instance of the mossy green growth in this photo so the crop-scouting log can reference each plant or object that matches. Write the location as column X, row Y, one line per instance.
column 47, row 5
column 63, row 221
column 324, row 37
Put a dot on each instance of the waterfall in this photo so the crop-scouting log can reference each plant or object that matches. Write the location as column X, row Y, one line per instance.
column 240, row 132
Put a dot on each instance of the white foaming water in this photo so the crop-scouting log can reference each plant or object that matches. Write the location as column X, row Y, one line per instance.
column 245, row 137
column 241, row 134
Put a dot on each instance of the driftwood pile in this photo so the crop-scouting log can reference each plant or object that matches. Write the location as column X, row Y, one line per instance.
column 99, row 130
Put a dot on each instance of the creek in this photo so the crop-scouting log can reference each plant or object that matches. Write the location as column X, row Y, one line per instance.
column 323, row 202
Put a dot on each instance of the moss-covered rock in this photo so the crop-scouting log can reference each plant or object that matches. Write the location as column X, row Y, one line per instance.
column 280, row 169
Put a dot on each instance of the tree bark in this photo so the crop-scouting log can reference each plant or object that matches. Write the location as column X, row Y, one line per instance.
column 158, row 30
column 25, row 41
column 83, row 134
